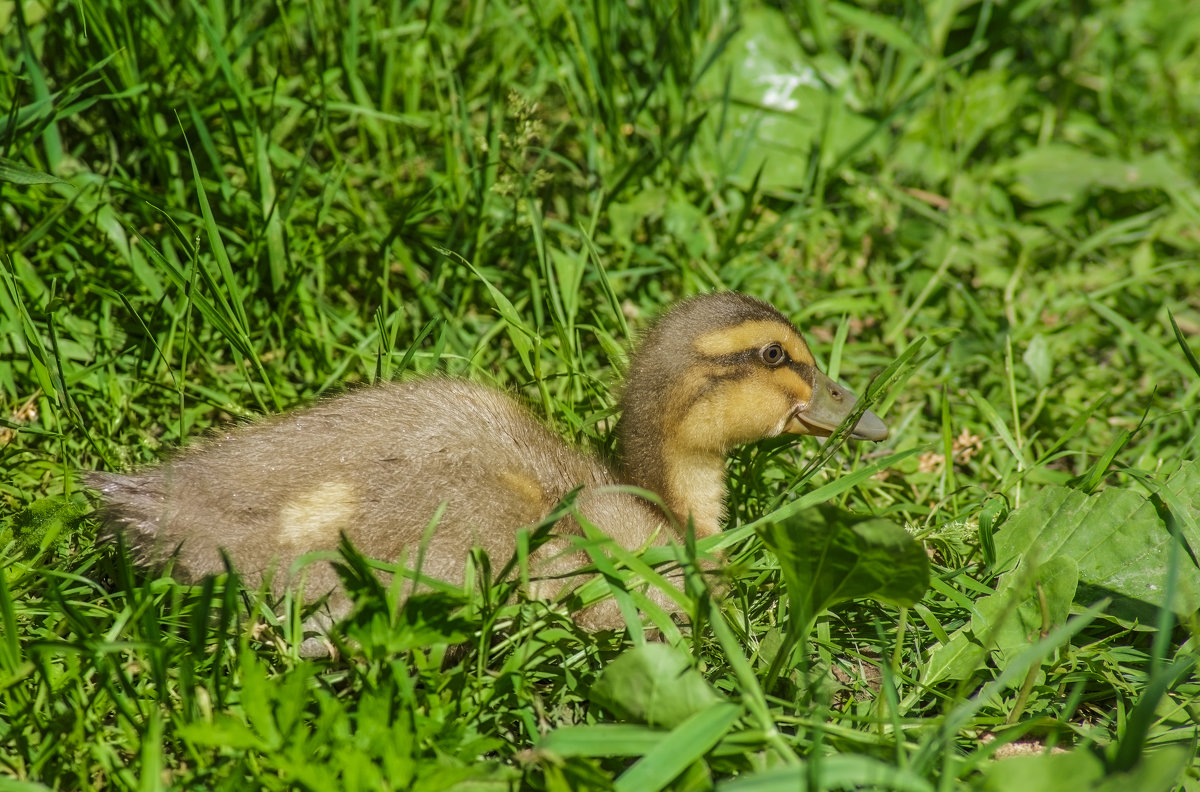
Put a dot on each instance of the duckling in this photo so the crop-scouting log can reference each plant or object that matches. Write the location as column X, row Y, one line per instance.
column 376, row 464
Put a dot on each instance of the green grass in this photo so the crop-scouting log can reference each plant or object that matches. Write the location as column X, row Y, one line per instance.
column 212, row 210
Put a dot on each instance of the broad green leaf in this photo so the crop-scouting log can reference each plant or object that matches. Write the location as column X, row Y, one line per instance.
column 1060, row 172
column 1183, row 498
column 1041, row 363
column 602, row 739
column 224, row 731
column 640, row 207
column 479, row 777
column 1046, row 604
column 986, row 100
column 1116, row 538
column 878, row 25
column 653, row 684
column 1008, row 621
column 686, row 744
column 771, row 107
column 828, row 557
column 17, row 173
column 13, row 785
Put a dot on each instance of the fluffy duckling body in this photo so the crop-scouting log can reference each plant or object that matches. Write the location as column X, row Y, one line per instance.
column 376, row 464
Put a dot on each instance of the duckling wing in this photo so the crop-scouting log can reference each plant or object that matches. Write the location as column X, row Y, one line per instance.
column 478, row 451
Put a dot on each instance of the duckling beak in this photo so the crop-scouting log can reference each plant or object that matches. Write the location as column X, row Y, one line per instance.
column 829, row 406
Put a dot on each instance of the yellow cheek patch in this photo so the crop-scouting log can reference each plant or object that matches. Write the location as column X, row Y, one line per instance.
column 754, row 334
column 316, row 518
column 744, row 410
column 790, row 382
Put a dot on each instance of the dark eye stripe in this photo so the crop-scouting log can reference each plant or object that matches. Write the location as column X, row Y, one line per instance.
column 807, row 371
column 753, row 355
column 733, row 358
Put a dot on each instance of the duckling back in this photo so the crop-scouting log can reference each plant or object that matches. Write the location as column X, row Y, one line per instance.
column 374, row 464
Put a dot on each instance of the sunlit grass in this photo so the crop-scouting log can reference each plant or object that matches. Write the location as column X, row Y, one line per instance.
column 212, row 211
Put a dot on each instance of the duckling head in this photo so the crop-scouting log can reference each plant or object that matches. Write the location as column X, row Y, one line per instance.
column 715, row 372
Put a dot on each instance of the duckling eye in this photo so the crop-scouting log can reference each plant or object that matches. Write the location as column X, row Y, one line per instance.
column 773, row 354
